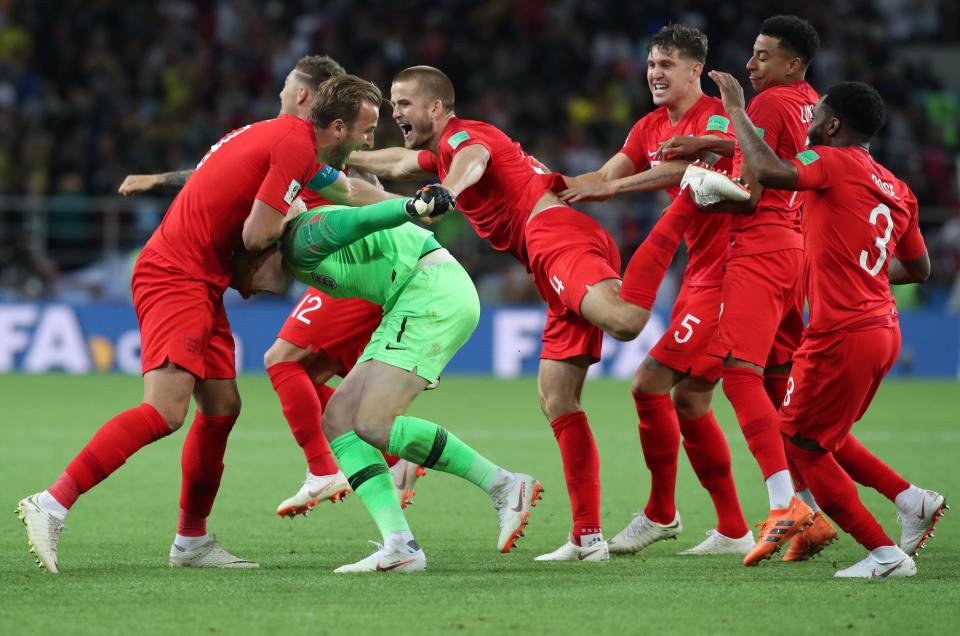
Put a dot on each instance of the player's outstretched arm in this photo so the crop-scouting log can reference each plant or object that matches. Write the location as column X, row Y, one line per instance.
column 916, row 270
column 660, row 177
column 692, row 148
column 769, row 170
column 163, row 183
column 346, row 190
column 467, row 168
column 397, row 164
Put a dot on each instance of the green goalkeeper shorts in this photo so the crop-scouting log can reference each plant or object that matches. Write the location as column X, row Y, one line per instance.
column 433, row 316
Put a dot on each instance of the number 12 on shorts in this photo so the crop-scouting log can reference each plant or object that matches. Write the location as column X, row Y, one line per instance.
column 687, row 323
column 304, row 307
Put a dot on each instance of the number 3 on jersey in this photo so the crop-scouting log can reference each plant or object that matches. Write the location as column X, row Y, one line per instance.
column 881, row 241
column 687, row 323
column 304, row 307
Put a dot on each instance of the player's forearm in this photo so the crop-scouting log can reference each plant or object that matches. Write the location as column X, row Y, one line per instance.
column 716, row 145
column 362, row 192
column 906, row 272
column 171, row 182
column 466, row 169
column 389, row 163
column 768, row 169
column 666, row 175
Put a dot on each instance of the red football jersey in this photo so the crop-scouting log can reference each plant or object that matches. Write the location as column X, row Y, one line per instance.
column 782, row 114
column 499, row 204
column 707, row 235
column 855, row 214
column 268, row 160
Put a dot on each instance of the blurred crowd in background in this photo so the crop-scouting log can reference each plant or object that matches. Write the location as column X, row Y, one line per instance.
column 92, row 90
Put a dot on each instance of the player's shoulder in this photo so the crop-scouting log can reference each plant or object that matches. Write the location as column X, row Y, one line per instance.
column 459, row 131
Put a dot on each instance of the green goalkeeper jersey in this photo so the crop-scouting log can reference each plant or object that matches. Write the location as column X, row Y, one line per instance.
column 365, row 252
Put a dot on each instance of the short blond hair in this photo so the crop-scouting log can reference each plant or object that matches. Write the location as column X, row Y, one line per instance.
column 432, row 82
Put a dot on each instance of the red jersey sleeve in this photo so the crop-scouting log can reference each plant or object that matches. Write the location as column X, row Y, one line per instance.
column 911, row 246
column 428, row 161
column 465, row 138
column 292, row 161
column 634, row 147
column 812, row 170
column 717, row 126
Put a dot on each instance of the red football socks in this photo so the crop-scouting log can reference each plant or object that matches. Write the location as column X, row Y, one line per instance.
column 649, row 263
column 302, row 407
column 757, row 417
column 868, row 469
column 660, row 440
column 709, row 455
column 581, row 467
column 324, row 393
column 836, row 494
column 775, row 384
column 202, row 466
column 107, row 451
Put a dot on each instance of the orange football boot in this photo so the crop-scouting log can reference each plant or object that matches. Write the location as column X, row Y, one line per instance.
column 782, row 525
column 811, row 541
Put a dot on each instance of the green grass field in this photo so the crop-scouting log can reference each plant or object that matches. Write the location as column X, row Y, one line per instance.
column 116, row 578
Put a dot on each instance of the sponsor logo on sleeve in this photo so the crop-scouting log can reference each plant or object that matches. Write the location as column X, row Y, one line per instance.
column 458, row 138
column 292, row 191
column 807, row 157
column 718, row 122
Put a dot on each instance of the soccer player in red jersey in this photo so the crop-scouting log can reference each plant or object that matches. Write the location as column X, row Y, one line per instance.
column 761, row 296
column 322, row 337
column 685, row 125
column 857, row 217
column 178, row 284
column 575, row 264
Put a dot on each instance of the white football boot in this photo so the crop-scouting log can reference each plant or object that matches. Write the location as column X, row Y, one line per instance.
column 918, row 520
column 596, row 551
column 642, row 532
column 870, row 568
column 716, row 543
column 405, row 475
column 208, row 555
column 406, row 558
column 315, row 488
column 43, row 532
column 513, row 503
column 707, row 186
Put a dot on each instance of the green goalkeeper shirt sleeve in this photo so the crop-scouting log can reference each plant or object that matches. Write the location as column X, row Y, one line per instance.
column 316, row 235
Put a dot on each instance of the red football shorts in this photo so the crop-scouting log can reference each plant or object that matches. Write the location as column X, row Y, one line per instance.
column 568, row 251
column 182, row 320
column 340, row 328
column 760, row 293
column 693, row 325
column 833, row 381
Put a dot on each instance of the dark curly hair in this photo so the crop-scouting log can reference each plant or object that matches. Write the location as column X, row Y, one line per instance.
column 795, row 34
column 857, row 105
column 689, row 41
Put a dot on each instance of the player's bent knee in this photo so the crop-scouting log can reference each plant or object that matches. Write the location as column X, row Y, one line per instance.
column 283, row 351
column 554, row 406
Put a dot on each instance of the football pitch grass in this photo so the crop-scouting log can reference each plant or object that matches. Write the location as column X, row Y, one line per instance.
column 114, row 552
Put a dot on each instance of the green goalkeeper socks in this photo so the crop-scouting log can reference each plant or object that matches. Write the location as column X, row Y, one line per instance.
column 432, row 446
column 370, row 478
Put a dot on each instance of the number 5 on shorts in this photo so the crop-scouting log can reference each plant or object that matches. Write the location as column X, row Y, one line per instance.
column 687, row 323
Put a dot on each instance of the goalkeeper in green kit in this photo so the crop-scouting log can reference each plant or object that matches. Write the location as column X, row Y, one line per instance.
column 430, row 309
